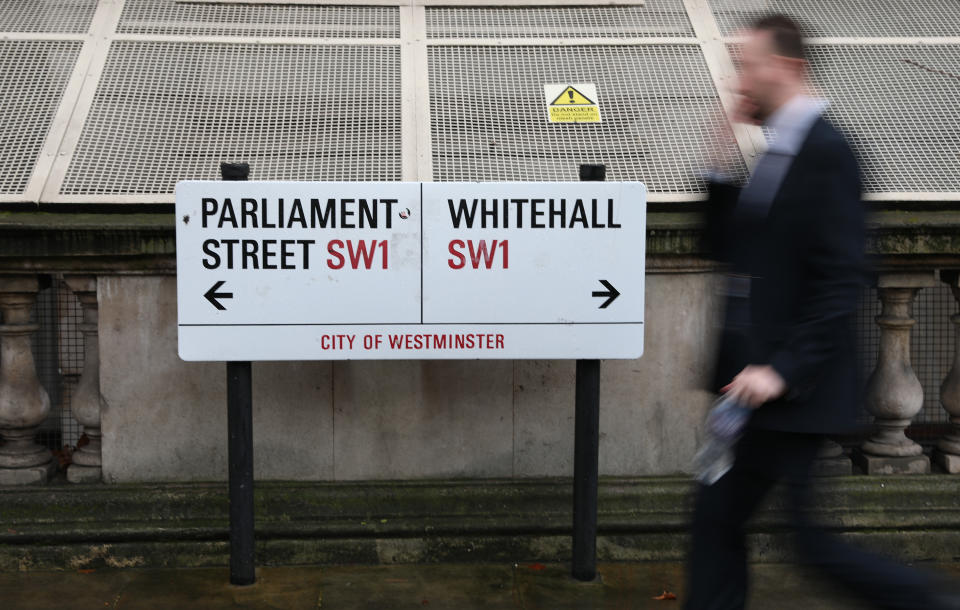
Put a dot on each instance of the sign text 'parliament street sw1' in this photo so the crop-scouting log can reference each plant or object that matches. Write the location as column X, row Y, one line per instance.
column 410, row 270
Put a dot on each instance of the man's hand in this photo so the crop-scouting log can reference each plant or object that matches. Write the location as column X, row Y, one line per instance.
column 756, row 385
column 721, row 159
column 745, row 111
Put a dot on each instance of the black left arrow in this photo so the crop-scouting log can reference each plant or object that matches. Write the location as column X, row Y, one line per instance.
column 212, row 295
column 611, row 293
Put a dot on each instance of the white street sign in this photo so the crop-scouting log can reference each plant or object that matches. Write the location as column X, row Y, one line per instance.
column 409, row 270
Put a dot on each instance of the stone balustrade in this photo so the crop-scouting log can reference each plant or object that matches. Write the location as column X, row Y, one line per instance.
column 148, row 416
column 24, row 404
column 86, row 403
column 894, row 395
column 948, row 449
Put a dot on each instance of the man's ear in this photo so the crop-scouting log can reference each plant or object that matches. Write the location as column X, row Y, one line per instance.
column 794, row 64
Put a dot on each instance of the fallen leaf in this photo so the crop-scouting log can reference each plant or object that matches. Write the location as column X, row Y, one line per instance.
column 537, row 566
column 86, row 571
column 63, row 456
column 665, row 595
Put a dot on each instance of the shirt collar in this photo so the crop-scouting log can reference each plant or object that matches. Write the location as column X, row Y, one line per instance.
column 788, row 126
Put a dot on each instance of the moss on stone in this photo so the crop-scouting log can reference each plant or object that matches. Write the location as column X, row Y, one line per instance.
column 392, row 521
column 47, row 235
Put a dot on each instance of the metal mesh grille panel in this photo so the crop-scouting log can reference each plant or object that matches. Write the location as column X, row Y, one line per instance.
column 169, row 111
column 489, row 117
column 59, row 16
column 933, row 347
column 897, row 105
column 171, row 17
column 33, row 75
column 848, row 18
column 58, row 354
column 655, row 18
column 868, row 335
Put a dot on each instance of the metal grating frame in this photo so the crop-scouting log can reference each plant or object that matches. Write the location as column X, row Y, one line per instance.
column 848, row 18
column 888, row 68
column 418, row 32
column 897, row 105
column 47, row 16
column 656, row 102
column 33, row 77
column 167, row 111
column 661, row 18
column 171, row 17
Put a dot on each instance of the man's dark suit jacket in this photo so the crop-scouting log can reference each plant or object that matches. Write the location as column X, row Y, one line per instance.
column 806, row 260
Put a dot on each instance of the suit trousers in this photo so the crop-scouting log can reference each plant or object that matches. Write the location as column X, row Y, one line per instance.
column 717, row 577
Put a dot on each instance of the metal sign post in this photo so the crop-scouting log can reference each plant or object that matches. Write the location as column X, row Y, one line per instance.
column 586, row 448
column 239, row 444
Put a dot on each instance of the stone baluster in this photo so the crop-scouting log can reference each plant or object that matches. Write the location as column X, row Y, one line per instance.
column 86, row 402
column 894, row 395
column 24, row 404
column 948, row 449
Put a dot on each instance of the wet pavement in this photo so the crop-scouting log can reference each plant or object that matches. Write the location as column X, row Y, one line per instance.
column 432, row 587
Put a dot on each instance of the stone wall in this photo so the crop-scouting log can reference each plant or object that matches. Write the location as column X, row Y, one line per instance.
column 164, row 419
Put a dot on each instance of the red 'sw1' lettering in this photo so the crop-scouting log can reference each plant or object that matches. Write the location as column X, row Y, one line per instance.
column 360, row 254
column 480, row 253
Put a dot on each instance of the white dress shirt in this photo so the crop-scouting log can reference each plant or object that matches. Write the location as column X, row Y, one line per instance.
column 787, row 128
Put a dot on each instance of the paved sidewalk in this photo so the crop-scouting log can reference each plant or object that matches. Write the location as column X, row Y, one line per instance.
column 628, row 586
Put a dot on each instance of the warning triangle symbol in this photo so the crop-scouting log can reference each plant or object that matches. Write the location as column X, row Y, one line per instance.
column 571, row 97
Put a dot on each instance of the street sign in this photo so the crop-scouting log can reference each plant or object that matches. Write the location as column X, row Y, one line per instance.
column 409, row 270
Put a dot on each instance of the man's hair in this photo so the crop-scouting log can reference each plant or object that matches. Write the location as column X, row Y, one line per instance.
column 785, row 32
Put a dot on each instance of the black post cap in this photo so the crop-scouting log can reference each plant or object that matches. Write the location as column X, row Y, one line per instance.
column 235, row 171
column 590, row 172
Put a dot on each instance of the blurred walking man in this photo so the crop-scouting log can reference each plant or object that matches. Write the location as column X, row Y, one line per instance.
column 793, row 241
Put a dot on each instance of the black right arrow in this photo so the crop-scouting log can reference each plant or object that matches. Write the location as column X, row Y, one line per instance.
column 212, row 295
column 611, row 293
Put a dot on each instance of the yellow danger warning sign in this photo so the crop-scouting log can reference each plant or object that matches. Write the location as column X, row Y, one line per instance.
column 572, row 97
column 572, row 103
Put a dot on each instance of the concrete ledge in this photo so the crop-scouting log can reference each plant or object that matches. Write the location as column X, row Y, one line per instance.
column 833, row 466
column 949, row 462
column 186, row 525
column 34, row 475
column 78, row 473
column 885, row 465
column 145, row 242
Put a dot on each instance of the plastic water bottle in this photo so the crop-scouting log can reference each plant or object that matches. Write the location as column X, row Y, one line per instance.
column 724, row 425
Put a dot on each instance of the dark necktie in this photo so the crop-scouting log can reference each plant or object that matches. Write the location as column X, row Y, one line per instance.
column 760, row 191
